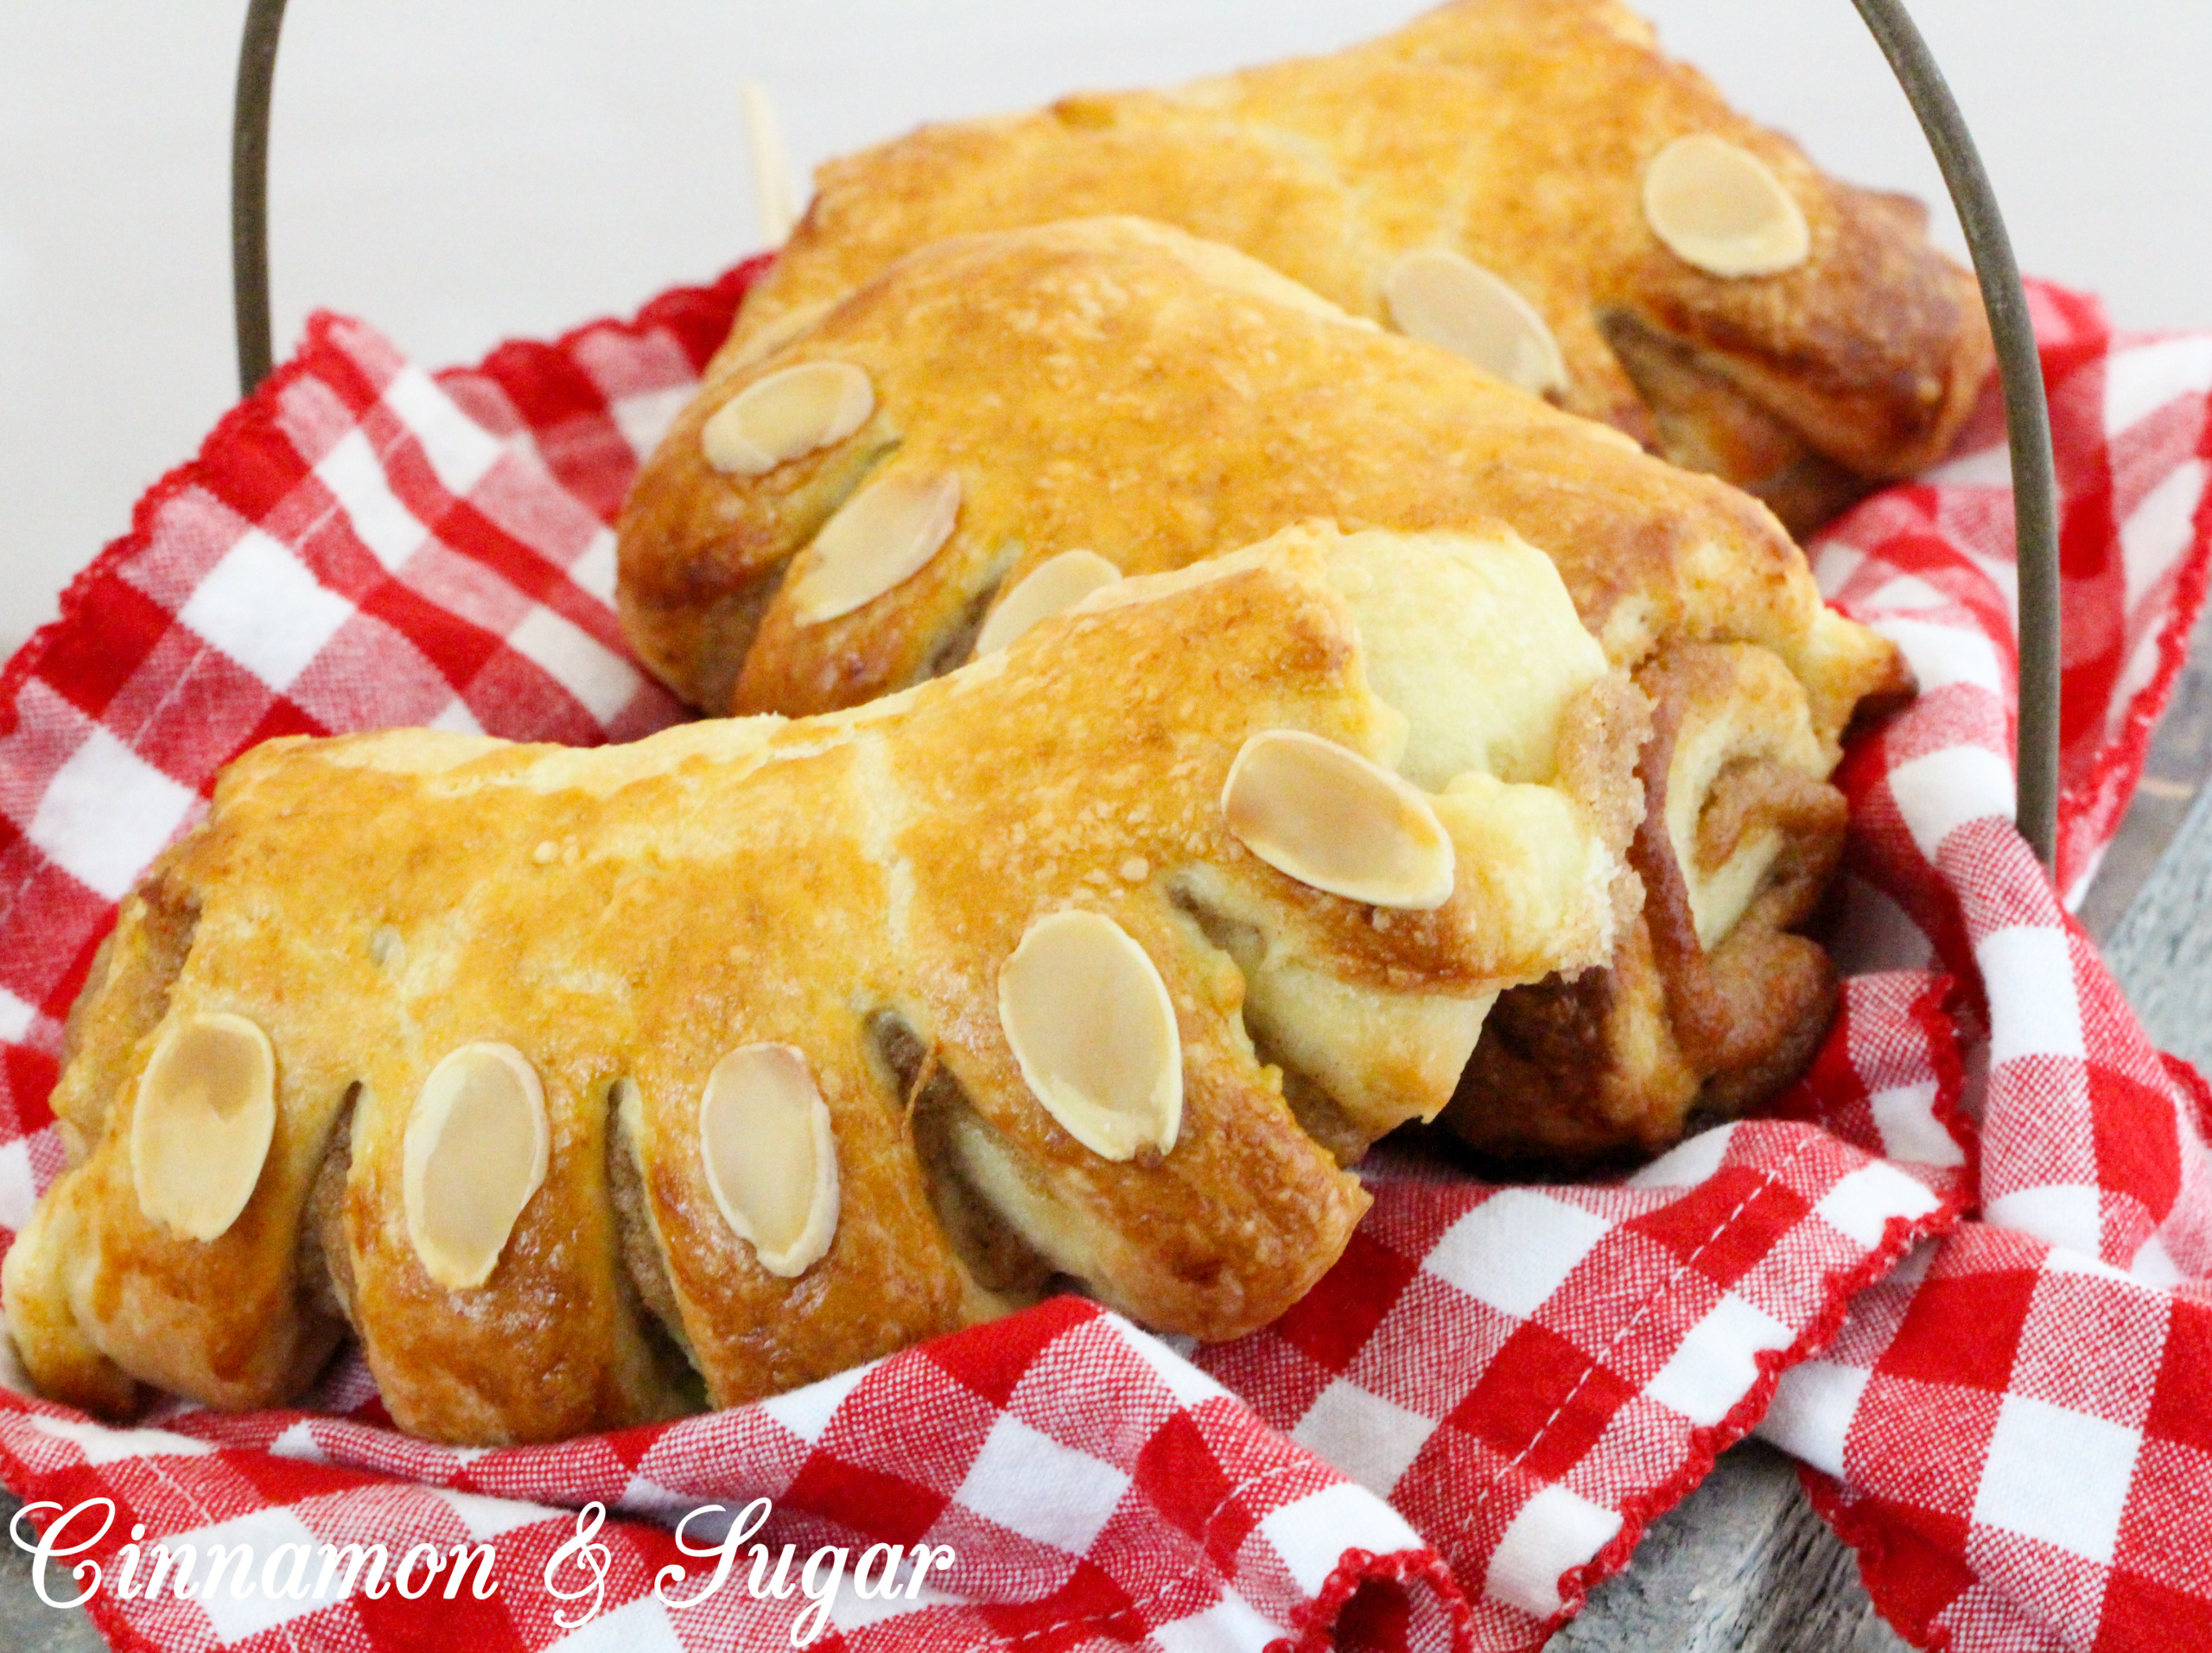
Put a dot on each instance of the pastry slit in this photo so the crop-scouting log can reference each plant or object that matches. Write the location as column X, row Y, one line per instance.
column 939, row 1116
column 155, row 936
column 325, row 1265
column 1318, row 1113
column 951, row 652
column 645, row 1270
column 732, row 614
column 1706, row 421
column 1737, row 1021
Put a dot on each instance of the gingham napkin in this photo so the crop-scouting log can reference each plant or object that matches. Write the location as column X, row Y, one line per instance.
column 2015, row 1428
column 1472, row 1419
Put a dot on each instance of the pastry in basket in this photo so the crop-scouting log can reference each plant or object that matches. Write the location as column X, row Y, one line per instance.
column 1531, row 182
column 784, row 1044
column 998, row 422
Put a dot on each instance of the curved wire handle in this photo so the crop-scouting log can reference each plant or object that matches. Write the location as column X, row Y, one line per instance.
column 2027, row 418
column 250, row 190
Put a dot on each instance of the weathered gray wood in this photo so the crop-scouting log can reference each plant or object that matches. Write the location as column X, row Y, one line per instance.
column 1743, row 1563
column 2180, row 759
column 28, row 1625
column 2161, row 954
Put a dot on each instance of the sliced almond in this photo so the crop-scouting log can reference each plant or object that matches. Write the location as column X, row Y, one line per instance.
column 789, row 413
column 1439, row 297
column 1330, row 818
column 1053, row 587
column 476, row 1149
column 1719, row 206
column 199, row 1133
column 771, row 1156
column 1093, row 1031
column 883, row 534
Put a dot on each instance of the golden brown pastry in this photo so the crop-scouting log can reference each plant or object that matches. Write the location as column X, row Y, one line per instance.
column 785, row 1044
column 1531, row 181
column 998, row 420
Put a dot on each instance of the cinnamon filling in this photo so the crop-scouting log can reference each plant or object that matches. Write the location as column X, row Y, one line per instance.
column 1741, row 1010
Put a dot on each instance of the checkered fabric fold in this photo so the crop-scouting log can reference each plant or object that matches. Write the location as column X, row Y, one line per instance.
column 2059, row 1346
column 1472, row 1418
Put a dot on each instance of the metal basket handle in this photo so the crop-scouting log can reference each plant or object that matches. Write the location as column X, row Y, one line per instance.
column 2027, row 415
column 2027, row 418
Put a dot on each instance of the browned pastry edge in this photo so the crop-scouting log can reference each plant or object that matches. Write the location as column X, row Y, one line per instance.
column 1704, row 423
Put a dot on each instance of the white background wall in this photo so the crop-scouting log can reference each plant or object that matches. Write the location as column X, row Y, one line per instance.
column 460, row 171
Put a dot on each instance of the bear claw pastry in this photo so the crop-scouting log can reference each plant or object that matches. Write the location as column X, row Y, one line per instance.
column 766, row 1048
column 1531, row 182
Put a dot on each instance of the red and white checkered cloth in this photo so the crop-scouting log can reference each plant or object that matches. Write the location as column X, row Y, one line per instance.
column 2015, row 1428
column 1470, row 1421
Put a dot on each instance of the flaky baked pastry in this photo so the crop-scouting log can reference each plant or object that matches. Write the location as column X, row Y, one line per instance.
column 1000, row 422
column 786, row 1044
column 1532, row 182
